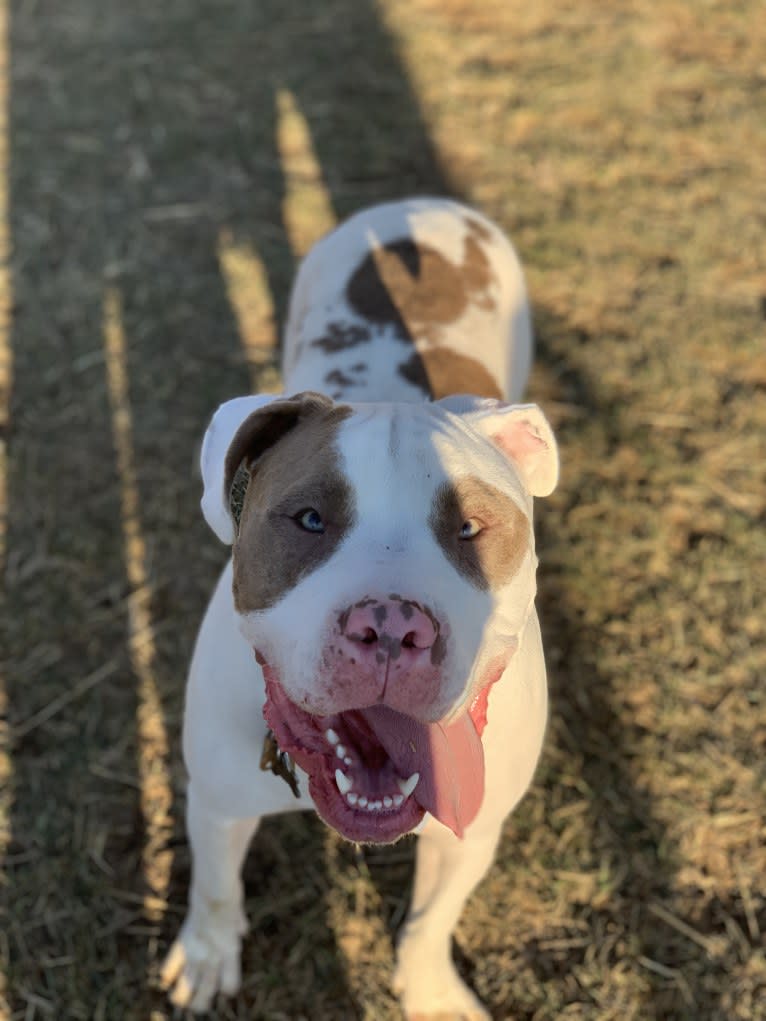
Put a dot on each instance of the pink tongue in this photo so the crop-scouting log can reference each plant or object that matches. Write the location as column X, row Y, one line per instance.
column 449, row 758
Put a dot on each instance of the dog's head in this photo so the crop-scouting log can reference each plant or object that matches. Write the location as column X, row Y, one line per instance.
column 384, row 569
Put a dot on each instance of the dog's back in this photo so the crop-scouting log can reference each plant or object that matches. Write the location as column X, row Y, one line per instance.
column 408, row 301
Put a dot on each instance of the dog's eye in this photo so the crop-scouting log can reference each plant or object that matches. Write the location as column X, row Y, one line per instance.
column 310, row 521
column 470, row 528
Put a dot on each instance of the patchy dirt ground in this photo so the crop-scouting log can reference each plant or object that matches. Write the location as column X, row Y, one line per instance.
column 164, row 166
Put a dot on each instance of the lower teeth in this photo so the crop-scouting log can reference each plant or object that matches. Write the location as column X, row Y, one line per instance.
column 376, row 805
column 343, row 783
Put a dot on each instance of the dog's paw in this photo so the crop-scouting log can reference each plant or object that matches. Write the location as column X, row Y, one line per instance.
column 205, row 959
column 436, row 995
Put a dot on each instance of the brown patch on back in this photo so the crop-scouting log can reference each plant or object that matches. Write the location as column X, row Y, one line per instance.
column 442, row 371
column 415, row 289
column 294, row 466
column 341, row 337
column 493, row 557
column 339, row 378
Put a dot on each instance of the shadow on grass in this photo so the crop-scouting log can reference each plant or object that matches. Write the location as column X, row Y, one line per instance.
column 138, row 133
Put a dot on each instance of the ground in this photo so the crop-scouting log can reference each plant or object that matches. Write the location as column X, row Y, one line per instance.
column 163, row 167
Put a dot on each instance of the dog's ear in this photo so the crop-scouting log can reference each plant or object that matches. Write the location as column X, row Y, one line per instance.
column 215, row 447
column 243, row 429
column 521, row 431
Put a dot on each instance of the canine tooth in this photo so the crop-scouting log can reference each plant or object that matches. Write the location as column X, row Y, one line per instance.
column 340, row 751
column 331, row 736
column 351, row 798
column 343, row 782
column 409, row 785
column 398, row 799
column 362, row 802
column 347, row 760
column 387, row 802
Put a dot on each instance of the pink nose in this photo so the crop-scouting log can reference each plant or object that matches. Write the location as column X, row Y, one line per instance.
column 393, row 626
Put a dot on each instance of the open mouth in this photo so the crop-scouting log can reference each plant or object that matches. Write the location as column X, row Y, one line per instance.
column 374, row 772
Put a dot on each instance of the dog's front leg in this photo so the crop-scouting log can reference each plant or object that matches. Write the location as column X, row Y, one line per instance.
column 205, row 957
column 447, row 870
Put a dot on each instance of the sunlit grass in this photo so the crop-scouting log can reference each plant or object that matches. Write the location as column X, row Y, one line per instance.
column 156, row 790
column 307, row 209
column 247, row 288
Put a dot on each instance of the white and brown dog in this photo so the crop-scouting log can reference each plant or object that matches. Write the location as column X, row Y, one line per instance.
column 374, row 638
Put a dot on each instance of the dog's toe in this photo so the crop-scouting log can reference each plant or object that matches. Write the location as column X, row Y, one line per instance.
column 172, row 965
column 201, row 963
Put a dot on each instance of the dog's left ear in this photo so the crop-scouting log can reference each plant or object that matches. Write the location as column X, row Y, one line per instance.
column 213, row 460
column 521, row 431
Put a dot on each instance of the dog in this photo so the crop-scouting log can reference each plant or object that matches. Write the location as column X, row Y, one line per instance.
column 372, row 649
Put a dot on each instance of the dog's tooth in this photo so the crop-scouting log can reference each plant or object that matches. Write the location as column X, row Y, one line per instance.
column 363, row 802
column 343, row 782
column 331, row 736
column 347, row 760
column 398, row 799
column 387, row 802
column 340, row 751
column 408, row 786
column 351, row 798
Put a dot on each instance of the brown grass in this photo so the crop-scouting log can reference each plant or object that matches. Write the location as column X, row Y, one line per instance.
column 156, row 153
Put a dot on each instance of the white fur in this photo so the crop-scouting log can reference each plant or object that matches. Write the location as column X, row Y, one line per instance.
column 393, row 457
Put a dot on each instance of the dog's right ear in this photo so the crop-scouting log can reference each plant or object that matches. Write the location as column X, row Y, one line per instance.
column 242, row 430
column 215, row 448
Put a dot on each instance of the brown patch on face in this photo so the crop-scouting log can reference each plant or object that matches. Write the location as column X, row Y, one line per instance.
column 341, row 336
column 294, row 466
column 492, row 558
column 441, row 371
column 416, row 290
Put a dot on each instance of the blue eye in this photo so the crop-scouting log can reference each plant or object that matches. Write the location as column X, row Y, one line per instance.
column 470, row 528
column 310, row 521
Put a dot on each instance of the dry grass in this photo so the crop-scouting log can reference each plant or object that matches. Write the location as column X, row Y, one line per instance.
column 623, row 148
